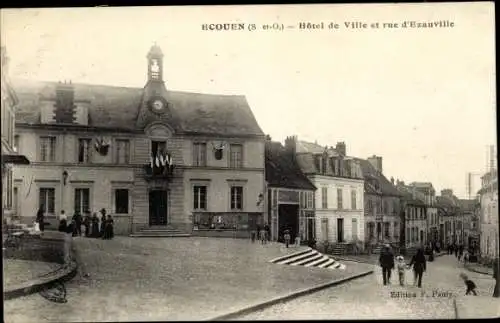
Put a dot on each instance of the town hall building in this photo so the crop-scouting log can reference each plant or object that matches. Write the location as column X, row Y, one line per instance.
column 154, row 158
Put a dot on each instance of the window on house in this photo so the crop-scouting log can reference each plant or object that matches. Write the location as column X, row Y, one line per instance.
column 46, row 200
column 84, row 150
column 396, row 229
column 387, row 226
column 353, row 200
column 121, row 201
column 199, row 154
column 236, row 156
column 236, row 197
column 158, row 147
column 16, row 143
column 48, row 149
column 370, row 206
column 82, row 200
column 386, row 207
column 310, row 200
column 199, row 197
column 339, row 199
column 122, row 151
column 408, row 235
column 324, row 197
column 371, row 229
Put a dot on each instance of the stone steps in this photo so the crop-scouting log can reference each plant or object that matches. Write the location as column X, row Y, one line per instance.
column 160, row 233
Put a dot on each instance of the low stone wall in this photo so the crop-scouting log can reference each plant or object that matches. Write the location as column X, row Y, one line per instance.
column 50, row 247
column 222, row 233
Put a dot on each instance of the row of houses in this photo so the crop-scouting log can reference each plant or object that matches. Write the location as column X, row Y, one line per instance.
column 162, row 160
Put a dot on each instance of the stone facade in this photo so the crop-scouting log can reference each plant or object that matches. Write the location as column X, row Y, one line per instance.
column 153, row 158
column 10, row 155
column 339, row 199
column 489, row 233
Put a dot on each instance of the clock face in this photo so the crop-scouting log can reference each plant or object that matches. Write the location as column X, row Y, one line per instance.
column 157, row 105
column 154, row 66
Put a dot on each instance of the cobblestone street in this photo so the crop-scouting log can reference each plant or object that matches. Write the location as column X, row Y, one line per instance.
column 172, row 279
column 367, row 298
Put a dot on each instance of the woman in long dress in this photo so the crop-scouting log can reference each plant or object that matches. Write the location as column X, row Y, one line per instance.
column 95, row 226
column 109, row 227
column 103, row 223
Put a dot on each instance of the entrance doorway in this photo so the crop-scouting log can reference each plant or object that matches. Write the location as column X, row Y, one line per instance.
column 340, row 230
column 288, row 219
column 311, row 229
column 158, row 207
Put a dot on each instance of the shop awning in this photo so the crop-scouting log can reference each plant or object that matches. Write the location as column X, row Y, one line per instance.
column 15, row 159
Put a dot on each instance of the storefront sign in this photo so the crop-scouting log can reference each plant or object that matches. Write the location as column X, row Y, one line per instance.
column 286, row 196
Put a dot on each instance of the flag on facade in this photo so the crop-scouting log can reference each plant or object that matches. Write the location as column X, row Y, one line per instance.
column 152, row 161
column 163, row 160
column 157, row 160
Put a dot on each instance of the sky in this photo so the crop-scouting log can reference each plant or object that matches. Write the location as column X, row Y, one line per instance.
column 422, row 98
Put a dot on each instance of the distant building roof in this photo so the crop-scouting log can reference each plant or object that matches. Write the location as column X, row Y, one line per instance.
column 407, row 193
column 314, row 148
column 282, row 169
column 118, row 107
column 468, row 204
column 385, row 186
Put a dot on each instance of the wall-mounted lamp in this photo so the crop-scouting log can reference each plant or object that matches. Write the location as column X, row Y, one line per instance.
column 65, row 177
column 261, row 198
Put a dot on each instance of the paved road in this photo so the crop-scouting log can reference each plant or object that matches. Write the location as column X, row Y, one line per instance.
column 193, row 278
column 367, row 298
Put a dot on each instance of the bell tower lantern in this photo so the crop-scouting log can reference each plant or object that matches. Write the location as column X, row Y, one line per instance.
column 155, row 64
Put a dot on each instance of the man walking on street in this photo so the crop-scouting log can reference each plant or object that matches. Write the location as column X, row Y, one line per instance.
column 387, row 263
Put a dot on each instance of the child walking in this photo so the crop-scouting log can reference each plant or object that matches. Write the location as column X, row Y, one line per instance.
column 469, row 284
column 401, row 267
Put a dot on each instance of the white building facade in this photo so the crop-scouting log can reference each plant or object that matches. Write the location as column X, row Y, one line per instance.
column 489, row 215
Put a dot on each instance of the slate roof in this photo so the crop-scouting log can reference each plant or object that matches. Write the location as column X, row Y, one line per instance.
column 467, row 205
column 282, row 170
column 314, row 148
column 118, row 107
column 408, row 196
column 385, row 186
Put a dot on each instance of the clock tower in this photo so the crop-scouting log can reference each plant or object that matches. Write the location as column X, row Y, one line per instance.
column 155, row 105
column 155, row 64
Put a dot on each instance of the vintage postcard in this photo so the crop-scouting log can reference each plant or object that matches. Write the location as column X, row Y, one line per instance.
column 272, row 162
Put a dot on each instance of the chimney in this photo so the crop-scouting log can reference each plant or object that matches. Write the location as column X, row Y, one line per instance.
column 392, row 180
column 65, row 109
column 291, row 145
column 340, row 148
column 376, row 162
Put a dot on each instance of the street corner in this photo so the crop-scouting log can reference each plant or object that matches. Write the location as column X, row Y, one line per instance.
column 468, row 307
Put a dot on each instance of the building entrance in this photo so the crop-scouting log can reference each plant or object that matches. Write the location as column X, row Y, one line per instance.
column 158, row 207
column 288, row 219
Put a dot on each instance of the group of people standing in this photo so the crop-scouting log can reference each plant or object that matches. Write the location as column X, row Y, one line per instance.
column 94, row 226
column 418, row 262
column 263, row 233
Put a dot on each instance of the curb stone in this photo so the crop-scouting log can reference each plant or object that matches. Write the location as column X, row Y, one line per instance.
column 64, row 273
column 285, row 298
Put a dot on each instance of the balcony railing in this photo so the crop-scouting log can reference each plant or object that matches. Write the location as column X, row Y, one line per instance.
column 158, row 172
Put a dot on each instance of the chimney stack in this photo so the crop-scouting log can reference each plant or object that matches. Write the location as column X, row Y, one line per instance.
column 376, row 162
column 341, row 148
column 65, row 109
column 392, row 180
column 291, row 145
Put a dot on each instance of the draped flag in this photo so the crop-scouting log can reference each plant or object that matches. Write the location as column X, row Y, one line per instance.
column 157, row 161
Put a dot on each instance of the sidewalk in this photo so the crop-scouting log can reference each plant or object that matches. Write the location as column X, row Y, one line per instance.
column 479, row 269
column 477, row 307
column 371, row 259
column 35, row 263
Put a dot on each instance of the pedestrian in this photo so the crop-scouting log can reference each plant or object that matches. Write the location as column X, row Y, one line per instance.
column 401, row 266
column 267, row 228
column 77, row 229
column 109, row 230
column 298, row 238
column 87, row 222
column 287, row 238
column 40, row 219
column 263, row 235
column 496, row 289
column 253, row 233
column 95, row 226
column 465, row 257
column 386, row 261
column 469, row 284
column 419, row 267
column 103, row 222
column 63, row 221
column 455, row 248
